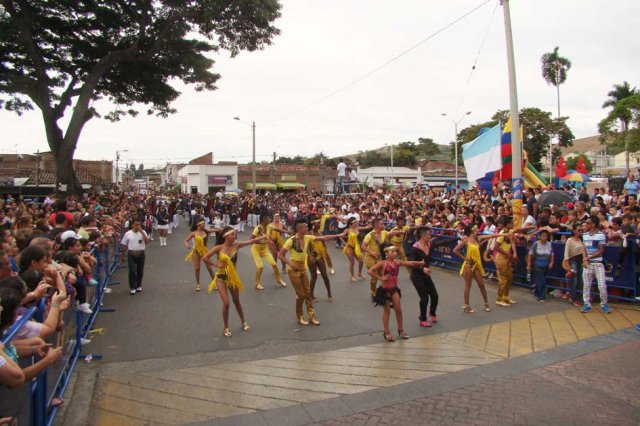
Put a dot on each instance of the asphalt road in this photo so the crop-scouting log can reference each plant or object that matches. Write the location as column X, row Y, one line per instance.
column 170, row 318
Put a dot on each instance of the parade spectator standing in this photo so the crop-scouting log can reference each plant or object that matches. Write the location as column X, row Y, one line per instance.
column 594, row 242
column 631, row 186
column 134, row 242
column 342, row 170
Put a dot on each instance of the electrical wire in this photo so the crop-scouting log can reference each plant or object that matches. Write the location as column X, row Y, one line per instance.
column 473, row 69
column 379, row 67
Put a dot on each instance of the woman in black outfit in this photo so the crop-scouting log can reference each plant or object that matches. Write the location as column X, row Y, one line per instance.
column 421, row 277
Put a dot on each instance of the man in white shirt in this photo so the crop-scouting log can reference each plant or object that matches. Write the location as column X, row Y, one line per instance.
column 342, row 169
column 134, row 242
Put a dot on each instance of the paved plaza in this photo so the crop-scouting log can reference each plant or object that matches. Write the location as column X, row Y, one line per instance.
column 166, row 361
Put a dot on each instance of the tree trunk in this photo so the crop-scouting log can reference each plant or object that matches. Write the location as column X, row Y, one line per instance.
column 65, row 174
column 62, row 152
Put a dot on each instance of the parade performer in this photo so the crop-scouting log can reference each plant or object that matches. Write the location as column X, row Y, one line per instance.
column 472, row 265
column 298, row 246
column 388, row 294
column 199, row 234
column 352, row 248
column 317, row 261
column 277, row 229
column 261, row 251
column 421, row 277
column 227, row 280
column 372, row 247
column 163, row 219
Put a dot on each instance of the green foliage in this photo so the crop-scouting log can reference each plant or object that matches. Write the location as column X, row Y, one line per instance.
column 298, row 159
column 427, row 147
column 61, row 56
column 320, row 159
column 555, row 67
column 621, row 127
column 538, row 129
column 572, row 163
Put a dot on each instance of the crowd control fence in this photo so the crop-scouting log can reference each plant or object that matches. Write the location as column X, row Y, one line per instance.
column 33, row 401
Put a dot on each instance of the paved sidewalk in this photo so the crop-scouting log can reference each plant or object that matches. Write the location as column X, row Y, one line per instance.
column 600, row 388
column 321, row 380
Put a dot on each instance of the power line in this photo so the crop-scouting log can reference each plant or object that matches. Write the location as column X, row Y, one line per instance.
column 379, row 67
column 473, row 67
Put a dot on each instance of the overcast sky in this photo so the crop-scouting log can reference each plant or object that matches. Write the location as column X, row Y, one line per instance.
column 328, row 44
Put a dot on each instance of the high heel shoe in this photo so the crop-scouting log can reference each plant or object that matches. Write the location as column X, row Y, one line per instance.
column 197, row 287
column 226, row 332
column 245, row 326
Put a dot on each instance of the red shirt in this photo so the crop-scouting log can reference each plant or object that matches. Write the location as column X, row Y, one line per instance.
column 68, row 222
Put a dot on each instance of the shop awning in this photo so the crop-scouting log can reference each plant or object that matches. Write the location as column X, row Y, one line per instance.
column 291, row 185
column 259, row 185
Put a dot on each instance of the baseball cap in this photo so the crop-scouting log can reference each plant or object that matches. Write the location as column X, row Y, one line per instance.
column 69, row 234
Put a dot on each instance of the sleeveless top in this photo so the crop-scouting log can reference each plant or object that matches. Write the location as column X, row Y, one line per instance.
column 227, row 273
column 472, row 259
column 199, row 247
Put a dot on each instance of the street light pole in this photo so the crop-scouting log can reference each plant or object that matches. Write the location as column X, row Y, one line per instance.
column 118, row 163
column 393, row 180
column 253, row 163
column 455, row 143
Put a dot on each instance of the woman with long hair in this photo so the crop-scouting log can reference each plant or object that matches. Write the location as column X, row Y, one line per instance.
column 277, row 229
column 199, row 234
column 388, row 294
column 317, row 261
column 472, row 266
column 421, row 277
column 262, row 250
column 227, row 280
column 352, row 249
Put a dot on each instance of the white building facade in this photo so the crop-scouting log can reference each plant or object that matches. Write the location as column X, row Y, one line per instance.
column 206, row 179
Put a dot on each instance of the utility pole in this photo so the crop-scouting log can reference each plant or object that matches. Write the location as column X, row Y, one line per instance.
column 37, row 167
column 253, row 164
column 274, row 168
column 516, row 146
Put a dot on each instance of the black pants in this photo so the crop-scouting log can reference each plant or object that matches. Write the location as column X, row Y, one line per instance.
column 136, row 269
column 81, row 290
column 426, row 289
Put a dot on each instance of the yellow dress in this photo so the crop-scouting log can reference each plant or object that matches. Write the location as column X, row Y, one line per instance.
column 472, row 259
column 318, row 249
column 226, row 273
column 276, row 236
column 198, row 247
column 352, row 241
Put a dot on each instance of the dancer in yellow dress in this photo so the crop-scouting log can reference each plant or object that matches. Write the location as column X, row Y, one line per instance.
column 317, row 261
column 472, row 265
column 298, row 247
column 226, row 280
column 261, row 250
column 323, row 221
column 352, row 248
column 199, row 234
column 277, row 229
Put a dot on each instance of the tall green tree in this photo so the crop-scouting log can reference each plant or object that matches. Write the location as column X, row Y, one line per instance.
column 538, row 127
column 622, row 112
column 428, row 147
column 61, row 56
column 554, row 72
column 622, row 125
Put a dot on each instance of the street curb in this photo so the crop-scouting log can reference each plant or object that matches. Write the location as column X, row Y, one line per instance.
column 79, row 398
column 381, row 397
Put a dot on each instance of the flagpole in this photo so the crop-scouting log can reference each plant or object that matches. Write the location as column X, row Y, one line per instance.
column 516, row 146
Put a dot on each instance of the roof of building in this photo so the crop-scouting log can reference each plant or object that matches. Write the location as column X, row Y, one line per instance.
column 49, row 178
column 582, row 145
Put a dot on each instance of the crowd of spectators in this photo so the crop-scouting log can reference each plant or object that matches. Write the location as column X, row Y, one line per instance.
column 45, row 247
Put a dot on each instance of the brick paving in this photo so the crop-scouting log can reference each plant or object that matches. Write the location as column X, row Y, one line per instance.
column 599, row 388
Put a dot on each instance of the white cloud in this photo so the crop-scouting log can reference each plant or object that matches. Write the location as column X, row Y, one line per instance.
column 325, row 45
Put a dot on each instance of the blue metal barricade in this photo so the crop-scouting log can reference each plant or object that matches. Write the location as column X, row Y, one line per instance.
column 620, row 266
column 40, row 395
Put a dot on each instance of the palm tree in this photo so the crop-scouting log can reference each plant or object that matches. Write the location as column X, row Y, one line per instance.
column 622, row 110
column 554, row 71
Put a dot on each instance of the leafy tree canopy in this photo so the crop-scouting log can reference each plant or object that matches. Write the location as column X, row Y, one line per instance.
column 538, row 129
column 61, row 56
